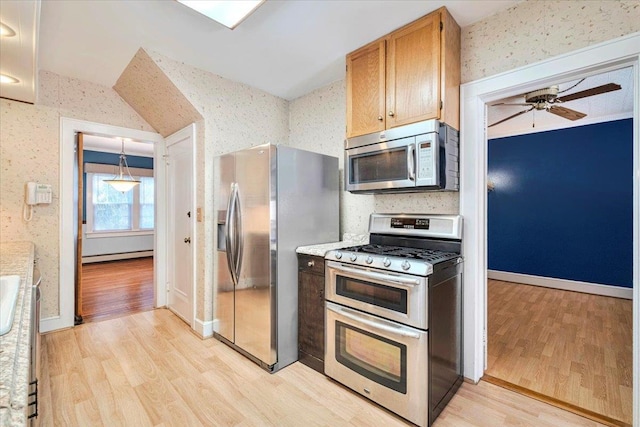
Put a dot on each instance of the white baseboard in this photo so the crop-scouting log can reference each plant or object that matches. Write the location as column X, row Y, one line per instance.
column 53, row 324
column 567, row 285
column 204, row 329
column 116, row 257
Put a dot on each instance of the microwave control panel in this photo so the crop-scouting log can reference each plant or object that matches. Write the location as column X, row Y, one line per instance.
column 427, row 161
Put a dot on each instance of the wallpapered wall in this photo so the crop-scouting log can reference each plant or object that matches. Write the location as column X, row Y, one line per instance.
column 30, row 151
column 237, row 116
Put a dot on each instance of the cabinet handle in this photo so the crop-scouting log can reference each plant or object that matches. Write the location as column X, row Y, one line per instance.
column 311, row 263
column 380, row 118
column 391, row 114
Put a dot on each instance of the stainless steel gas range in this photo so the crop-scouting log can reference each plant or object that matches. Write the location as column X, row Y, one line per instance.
column 394, row 314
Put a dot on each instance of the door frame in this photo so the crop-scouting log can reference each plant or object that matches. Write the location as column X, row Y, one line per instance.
column 475, row 96
column 66, row 281
column 174, row 138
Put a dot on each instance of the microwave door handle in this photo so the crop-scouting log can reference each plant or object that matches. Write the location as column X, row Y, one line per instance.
column 378, row 276
column 353, row 315
column 411, row 161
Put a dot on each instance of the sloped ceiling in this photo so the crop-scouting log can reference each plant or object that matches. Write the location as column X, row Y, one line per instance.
column 150, row 92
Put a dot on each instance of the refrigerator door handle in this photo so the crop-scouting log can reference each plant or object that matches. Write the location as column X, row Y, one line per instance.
column 229, row 231
column 239, row 243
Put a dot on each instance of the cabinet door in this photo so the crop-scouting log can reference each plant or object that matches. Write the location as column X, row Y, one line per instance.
column 413, row 72
column 365, row 89
column 311, row 314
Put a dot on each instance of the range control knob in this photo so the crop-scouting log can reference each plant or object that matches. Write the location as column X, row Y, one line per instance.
column 353, row 257
column 406, row 265
column 386, row 262
column 369, row 260
column 338, row 255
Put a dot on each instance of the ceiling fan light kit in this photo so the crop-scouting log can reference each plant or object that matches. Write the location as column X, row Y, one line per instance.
column 547, row 99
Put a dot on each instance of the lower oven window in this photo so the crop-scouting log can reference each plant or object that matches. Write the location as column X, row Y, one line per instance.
column 377, row 358
column 379, row 295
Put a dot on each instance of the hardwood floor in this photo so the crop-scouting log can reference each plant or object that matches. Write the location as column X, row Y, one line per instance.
column 573, row 347
column 116, row 288
column 148, row 369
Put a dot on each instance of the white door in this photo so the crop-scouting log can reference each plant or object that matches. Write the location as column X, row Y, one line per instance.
column 181, row 238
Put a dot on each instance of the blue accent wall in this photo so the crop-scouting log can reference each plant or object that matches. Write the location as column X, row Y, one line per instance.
column 562, row 206
column 99, row 157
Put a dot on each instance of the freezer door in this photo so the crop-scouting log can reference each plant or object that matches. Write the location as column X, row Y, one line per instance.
column 224, row 297
column 255, row 301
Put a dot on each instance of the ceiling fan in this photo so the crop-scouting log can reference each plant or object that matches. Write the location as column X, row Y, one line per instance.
column 547, row 99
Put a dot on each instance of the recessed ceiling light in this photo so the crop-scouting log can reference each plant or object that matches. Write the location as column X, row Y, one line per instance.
column 6, row 31
column 8, row 79
column 229, row 13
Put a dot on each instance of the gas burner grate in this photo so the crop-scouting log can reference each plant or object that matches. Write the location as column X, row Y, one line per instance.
column 429, row 255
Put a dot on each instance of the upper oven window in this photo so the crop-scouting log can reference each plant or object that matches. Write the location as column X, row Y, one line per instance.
column 372, row 293
column 377, row 358
column 379, row 166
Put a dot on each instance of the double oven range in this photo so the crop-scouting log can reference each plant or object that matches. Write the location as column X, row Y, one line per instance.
column 394, row 314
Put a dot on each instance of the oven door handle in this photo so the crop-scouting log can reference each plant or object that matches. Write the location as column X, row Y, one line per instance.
column 356, row 317
column 378, row 276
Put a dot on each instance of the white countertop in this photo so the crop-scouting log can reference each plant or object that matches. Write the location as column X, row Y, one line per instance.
column 322, row 248
column 16, row 258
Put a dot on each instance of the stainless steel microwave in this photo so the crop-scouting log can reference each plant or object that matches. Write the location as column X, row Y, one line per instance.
column 421, row 156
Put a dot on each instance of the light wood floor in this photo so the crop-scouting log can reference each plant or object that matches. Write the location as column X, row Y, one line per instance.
column 116, row 288
column 148, row 369
column 571, row 346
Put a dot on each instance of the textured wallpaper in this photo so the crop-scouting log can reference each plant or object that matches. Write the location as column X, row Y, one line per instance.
column 539, row 29
column 30, row 151
column 236, row 116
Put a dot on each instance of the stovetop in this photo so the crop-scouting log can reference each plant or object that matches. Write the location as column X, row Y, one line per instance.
column 429, row 255
column 405, row 243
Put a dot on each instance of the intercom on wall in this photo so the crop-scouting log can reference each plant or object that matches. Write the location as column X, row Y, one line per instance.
column 35, row 194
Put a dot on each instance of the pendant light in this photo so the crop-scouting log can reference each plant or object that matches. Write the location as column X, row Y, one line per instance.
column 120, row 182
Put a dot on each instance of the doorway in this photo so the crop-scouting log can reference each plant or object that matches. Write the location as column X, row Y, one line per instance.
column 589, row 61
column 69, row 215
column 116, row 228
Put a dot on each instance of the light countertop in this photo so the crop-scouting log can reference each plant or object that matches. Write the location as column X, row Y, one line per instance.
column 322, row 248
column 16, row 258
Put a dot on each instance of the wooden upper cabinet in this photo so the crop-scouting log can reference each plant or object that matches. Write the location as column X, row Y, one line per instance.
column 410, row 75
column 365, row 89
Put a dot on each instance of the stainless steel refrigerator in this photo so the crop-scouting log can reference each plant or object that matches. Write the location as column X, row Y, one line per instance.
column 270, row 199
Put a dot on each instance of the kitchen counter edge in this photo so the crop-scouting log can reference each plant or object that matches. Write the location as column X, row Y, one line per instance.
column 321, row 249
column 16, row 258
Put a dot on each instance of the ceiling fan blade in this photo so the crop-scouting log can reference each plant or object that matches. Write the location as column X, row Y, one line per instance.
column 609, row 87
column 520, row 105
column 511, row 117
column 566, row 113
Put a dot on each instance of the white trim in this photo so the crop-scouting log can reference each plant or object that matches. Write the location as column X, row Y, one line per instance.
column 107, row 234
column 113, row 170
column 187, row 132
column 53, row 324
column 116, row 257
column 68, row 129
column 204, row 329
column 617, row 53
column 563, row 284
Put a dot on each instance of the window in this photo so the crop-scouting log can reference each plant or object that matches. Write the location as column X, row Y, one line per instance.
column 109, row 210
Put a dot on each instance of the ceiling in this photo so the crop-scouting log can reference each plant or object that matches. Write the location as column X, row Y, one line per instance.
column 286, row 48
column 18, row 52
column 114, row 145
column 599, row 108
